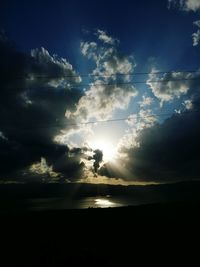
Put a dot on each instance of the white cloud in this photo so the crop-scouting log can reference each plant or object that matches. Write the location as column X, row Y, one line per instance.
column 186, row 5
column 196, row 35
column 144, row 119
column 101, row 100
column 189, row 5
column 197, row 23
column 53, row 70
column 146, row 101
column 107, row 92
column 171, row 85
column 118, row 65
column 104, row 37
column 112, row 66
column 89, row 49
column 188, row 104
column 193, row 5
column 196, row 38
column 42, row 168
column 2, row 136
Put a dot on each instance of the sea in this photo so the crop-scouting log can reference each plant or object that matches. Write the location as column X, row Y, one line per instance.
column 82, row 203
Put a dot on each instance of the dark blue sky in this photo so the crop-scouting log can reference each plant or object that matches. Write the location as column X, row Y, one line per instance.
column 145, row 28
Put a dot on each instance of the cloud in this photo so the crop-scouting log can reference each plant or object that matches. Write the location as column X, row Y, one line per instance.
column 193, row 5
column 98, row 158
column 170, row 85
column 188, row 104
column 100, row 101
column 197, row 23
column 2, row 136
column 43, row 170
column 161, row 152
column 89, row 49
column 52, row 70
column 143, row 119
column 196, row 35
column 137, row 122
column 196, row 38
column 107, row 92
column 105, row 38
column 146, row 101
column 35, row 93
column 117, row 64
column 186, row 5
column 166, row 152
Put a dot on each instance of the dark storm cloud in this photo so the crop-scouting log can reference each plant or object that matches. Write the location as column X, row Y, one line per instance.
column 70, row 167
column 98, row 158
column 166, row 152
column 34, row 96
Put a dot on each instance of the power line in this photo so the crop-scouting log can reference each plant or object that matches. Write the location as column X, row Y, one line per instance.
column 110, row 75
column 141, row 73
column 102, row 121
column 78, row 86
column 136, row 82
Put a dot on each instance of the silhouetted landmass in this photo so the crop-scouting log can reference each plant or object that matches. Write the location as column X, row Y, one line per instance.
column 128, row 236
column 102, row 237
column 13, row 196
column 38, row 190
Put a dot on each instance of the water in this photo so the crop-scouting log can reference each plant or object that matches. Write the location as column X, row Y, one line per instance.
column 81, row 203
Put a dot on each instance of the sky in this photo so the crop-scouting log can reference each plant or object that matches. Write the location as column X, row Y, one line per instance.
column 100, row 91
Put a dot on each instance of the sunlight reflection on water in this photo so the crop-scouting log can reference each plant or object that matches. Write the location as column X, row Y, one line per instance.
column 104, row 203
column 82, row 203
column 100, row 202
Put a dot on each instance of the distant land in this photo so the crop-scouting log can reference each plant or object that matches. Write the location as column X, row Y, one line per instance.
column 174, row 191
column 85, row 237
column 13, row 197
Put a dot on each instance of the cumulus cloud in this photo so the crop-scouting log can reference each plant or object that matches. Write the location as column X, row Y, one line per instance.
column 196, row 38
column 188, row 104
column 146, row 101
column 186, row 5
column 2, row 136
column 196, row 35
column 89, row 49
column 143, row 119
column 117, row 65
column 137, row 122
column 104, row 37
column 107, row 92
column 164, row 152
column 100, row 101
column 44, row 170
column 98, row 158
column 40, row 107
column 161, row 152
column 170, row 85
column 53, row 70
column 197, row 23
column 35, row 93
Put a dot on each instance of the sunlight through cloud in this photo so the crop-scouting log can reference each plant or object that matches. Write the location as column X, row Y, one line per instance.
column 108, row 149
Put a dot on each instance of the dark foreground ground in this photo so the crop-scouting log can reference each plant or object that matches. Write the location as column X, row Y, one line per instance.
column 159, row 234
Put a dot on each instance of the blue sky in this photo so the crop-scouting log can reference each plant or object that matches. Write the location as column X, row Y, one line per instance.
column 145, row 28
column 109, row 39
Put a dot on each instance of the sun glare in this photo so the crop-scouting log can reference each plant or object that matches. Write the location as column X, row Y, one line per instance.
column 104, row 203
column 108, row 149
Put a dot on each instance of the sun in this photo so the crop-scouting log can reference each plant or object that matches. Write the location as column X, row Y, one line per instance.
column 108, row 149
